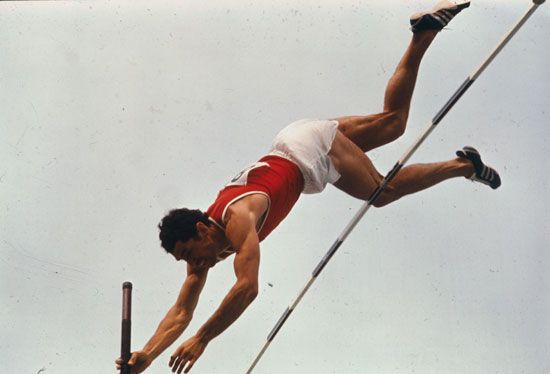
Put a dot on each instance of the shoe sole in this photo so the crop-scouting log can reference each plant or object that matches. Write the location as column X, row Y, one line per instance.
column 441, row 14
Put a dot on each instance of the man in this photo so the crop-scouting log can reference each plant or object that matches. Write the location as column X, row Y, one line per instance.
column 304, row 157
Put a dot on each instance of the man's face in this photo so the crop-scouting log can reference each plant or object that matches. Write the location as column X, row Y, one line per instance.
column 198, row 252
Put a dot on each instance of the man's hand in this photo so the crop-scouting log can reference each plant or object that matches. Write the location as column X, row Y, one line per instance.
column 187, row 354
column 139, row 361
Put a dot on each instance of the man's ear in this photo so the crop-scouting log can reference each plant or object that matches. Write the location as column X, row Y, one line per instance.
column 202, row 229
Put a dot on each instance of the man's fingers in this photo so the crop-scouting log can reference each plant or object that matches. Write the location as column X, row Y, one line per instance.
column 182, row 366
column 191, row 363
column 119, row 361
column 175, row 364
column 180, row 361
column 174, row 361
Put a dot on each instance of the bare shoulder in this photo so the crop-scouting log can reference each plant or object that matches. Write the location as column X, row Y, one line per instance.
column 242, row 221
column 251, row 206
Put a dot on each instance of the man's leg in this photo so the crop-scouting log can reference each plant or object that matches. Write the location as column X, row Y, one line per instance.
column 359, row 178
column 360, row 134
column 372, row 131
column 417, row 177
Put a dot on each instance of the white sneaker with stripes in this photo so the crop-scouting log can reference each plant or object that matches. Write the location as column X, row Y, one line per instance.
column 483, row 173
column 438, row 17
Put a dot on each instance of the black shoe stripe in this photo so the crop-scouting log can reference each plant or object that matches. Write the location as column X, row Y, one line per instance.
column 486, row 172
column 470, row 150
column 440, row 19
column 448, row 13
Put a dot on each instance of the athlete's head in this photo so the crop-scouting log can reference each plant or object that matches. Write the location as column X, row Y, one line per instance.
column 185, row 234
column 180, row 225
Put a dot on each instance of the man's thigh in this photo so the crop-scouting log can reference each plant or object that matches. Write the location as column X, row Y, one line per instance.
column 371, row 131
column 358, row 176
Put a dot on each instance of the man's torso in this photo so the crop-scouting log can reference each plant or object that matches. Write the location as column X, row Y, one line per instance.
column 276, row 178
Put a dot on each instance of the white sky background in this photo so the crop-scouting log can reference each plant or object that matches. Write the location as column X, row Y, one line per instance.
column 115, row 112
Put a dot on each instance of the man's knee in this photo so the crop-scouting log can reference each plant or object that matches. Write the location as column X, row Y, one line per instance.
column 381, row 201
column 395, row 124
column 387, row 196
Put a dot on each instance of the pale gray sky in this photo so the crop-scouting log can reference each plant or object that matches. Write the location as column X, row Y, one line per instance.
column 115, row 112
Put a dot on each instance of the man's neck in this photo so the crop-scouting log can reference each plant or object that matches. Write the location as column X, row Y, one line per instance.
column 219, row 238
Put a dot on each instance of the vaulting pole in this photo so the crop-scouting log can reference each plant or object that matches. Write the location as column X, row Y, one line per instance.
column 126, row 327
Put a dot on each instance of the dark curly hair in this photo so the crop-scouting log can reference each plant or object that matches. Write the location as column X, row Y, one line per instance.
column 180, row 225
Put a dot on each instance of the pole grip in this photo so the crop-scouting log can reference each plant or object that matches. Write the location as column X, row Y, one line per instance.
column 125, row 350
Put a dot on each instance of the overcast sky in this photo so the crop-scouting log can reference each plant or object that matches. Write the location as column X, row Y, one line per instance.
column 115, row 112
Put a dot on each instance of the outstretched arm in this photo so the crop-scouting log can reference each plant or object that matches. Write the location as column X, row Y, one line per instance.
column 174, row 323
column 241, row 232
column 178, row 317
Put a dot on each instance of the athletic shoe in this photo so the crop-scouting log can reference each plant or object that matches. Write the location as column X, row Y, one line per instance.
column 483, row 173
column 437, row 18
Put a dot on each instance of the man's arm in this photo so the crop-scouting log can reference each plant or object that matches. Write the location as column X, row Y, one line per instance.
column 174, row 323
column 178, row 317
column 241, row 232
column 245, row 289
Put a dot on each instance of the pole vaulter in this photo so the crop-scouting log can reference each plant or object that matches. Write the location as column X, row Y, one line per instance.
column 304, row 157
